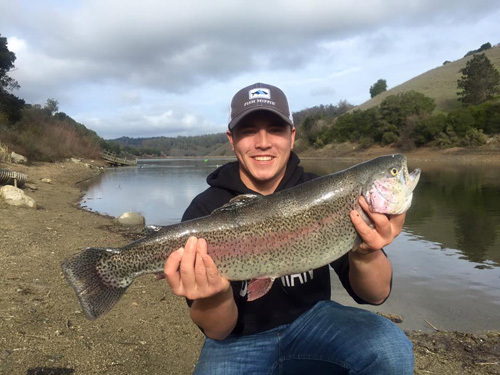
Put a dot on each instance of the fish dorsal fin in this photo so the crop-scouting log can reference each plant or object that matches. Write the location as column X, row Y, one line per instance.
column 238, row 201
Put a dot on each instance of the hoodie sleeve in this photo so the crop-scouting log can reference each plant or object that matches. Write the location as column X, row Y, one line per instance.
column 341, row 268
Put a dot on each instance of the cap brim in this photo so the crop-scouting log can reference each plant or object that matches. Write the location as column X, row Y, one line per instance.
column 235, row 121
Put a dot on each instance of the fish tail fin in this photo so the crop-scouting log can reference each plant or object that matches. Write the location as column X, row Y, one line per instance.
column 95, row 296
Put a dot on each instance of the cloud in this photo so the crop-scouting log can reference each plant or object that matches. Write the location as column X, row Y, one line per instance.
column 178, row 45
column 114, row 63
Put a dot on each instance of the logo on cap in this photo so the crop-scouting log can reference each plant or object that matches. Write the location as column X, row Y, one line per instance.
column 259, row 93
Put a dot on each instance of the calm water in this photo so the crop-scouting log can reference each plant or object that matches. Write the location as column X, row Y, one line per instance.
column 446, row 261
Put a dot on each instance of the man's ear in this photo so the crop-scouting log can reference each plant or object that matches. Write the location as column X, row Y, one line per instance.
column 293, row 136
column 230, row 138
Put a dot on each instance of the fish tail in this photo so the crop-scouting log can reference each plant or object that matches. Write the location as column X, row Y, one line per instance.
column 95, row 296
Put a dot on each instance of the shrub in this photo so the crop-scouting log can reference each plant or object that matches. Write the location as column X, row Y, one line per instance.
column 487, row 117
column 473, row 137
column 448, row 138
column 428, row 128
column 389, row 137
column 462, row 120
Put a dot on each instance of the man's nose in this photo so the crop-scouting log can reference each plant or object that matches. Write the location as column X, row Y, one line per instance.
column 263, row 140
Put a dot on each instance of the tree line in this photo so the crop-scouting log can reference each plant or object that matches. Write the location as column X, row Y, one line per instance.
column 169, row 146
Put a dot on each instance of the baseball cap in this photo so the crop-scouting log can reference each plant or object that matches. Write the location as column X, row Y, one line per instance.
column 259, row 97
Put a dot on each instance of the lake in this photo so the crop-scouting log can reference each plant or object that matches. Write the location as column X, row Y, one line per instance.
column 446, row 261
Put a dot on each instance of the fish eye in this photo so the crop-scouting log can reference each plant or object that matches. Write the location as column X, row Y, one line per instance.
column 394, row 171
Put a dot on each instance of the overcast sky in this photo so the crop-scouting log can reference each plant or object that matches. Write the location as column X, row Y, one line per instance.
column 166, row 68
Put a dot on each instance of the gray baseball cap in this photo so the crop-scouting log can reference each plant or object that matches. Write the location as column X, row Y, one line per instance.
column 259, row 97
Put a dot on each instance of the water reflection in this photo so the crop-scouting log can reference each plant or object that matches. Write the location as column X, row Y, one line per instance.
column 460, row 209
column 160, row 190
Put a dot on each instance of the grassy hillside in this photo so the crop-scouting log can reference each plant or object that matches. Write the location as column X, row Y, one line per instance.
column 41, row 135
column 439, row 83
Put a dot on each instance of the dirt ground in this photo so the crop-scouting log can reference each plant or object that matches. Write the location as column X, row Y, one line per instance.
column 43, row 330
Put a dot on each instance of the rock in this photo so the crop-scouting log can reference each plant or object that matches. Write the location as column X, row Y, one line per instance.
column 17, row 158
column 31, row 186
column 46, row 180
column 16, row 197
column 75, row 160
column 131, row 219
column 395, row 318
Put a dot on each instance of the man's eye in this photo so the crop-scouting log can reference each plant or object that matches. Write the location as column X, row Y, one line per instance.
column 278, row 130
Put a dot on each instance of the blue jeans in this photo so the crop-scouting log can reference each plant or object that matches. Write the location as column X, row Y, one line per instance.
column 328, row 339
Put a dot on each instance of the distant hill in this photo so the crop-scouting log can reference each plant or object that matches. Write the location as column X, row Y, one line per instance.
column 200, row 145
column 439, row 83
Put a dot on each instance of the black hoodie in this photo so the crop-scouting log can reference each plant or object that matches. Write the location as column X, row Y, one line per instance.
column 291, row 295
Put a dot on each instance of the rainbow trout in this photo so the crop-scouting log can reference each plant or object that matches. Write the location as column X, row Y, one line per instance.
column 254, row 237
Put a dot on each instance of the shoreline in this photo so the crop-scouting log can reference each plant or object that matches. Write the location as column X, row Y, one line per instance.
column 484, row 155
column 149, row 331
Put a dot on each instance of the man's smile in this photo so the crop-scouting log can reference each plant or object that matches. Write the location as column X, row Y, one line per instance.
column 263, row 158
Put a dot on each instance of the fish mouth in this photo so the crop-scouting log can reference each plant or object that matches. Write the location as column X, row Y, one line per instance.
column 412, row 180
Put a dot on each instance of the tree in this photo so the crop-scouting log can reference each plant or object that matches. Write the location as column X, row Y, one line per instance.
column 396, row 108
column 378, row 87
column 52, row 106
column 480, row 81
column 7, row 59
column 9, row 104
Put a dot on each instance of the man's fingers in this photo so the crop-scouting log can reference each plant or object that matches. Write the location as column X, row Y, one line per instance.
column 200, row 273
column 397, row 222
column 386, row 227
column 187, row 264
column 171, row 269
column 361, row 227
column 212, row 272
column 382, row 223
column 368, row 235
column 191, row 272
column 201, row 246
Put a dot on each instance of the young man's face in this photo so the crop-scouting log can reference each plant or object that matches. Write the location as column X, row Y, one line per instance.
column 262, row 142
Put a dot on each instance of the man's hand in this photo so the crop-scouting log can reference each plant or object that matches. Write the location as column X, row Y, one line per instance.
column 386, row 228
column 191, row 272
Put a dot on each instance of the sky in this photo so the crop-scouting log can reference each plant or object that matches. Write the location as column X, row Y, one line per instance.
column 167, row 68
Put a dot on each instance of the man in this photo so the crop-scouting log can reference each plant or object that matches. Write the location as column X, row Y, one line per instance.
column 294, row 328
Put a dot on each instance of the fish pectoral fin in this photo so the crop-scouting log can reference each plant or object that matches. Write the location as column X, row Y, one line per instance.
column 238, row 201
column 259, row 287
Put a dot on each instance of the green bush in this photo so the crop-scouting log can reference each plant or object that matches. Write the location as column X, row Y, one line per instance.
column 428, row 128
column 487, row 117
column 473, row 138
column 462, row 120
column 389, row 137
column 448, row 138
column 366, row 142
column 396, row 108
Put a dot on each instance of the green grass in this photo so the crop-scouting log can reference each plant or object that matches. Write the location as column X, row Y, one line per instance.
column 439, row 83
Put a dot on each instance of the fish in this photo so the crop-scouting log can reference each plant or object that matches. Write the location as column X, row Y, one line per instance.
column 254, row 237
